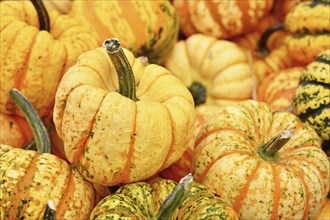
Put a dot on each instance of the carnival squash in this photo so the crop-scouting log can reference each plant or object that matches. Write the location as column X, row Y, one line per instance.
column 278, row 88
column 312, row 97
column 216, row 72
column 266, row 165
column 125, row 128
column 36, row 49
column 220, row 19
column 309, row 25
column 146, row 28
column 28, row 179
column 182, row 167
column 163, row 199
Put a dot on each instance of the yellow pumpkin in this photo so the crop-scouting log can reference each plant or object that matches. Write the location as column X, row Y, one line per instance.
column 220, row 19
column 34, row 57
column 146, row 28
column 216, row 72
column 266, row 165
column 126, row 131
column 63, row 6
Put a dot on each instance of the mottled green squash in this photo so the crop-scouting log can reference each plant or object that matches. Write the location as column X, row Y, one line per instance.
column 312, row 97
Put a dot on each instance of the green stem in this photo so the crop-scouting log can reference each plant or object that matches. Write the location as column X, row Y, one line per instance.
column 198, row 92
column 124, row 71
column 269, row 151
column 44, row 22
column 50, row 211
column 39, row 130
column 178, row 195
column 262, row 44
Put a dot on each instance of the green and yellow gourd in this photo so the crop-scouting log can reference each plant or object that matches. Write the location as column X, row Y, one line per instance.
column 29, row 179
column 164, row 200
column 312, row 97
column 309, row 25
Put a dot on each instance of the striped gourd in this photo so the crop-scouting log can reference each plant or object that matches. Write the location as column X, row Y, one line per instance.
column 266, row 165
column 144, row 200
column 312, row 97
column 309, row 25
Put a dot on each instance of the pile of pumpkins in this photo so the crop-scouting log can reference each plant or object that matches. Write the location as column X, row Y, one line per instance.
column 165, row 109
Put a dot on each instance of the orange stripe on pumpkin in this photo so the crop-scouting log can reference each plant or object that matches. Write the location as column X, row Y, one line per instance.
column 277, row 191
column 67, row 196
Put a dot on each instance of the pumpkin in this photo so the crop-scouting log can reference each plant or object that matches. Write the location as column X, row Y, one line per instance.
column 29, row 179
column 183, row 166
column 163, row 199
column 282, row 7
column 62, row 6
column 122, row 128
column 28, row 50
column 216, row 72
column 220, row 19
column 146, row 28
column 278, row 88
column 265, row 165
column 15, row 130
column 308, row 23
column 312, row 97
column 325, row 211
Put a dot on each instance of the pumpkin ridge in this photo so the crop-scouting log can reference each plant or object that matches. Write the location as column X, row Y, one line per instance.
column 23, row 131
column 216, row 17
column 238, row 201
column 169, row 152
column 257, row 129
column 315, row 83
column 21, row 192
column 209, row 166
column 290, row 150
column 277, row 191
column 287, row 94
column 150, row 84
column 312, row 113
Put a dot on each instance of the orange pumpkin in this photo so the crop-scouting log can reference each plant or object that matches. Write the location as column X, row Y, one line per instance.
column 146, row 28
column 126, row 127
column 278, row 88
column 266, row 165
column 220, row 19
column 36, row 49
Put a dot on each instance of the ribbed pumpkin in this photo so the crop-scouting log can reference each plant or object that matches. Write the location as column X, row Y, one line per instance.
column 183, row 166
column 163, row 199
column 14, row 130
column 278, row 88
column 29, row 179
column 309, row 25
column 33, row 60
column 127, row 131
column 215, row 71
column 266, row 165
column 220, row 19
column 312, row 97
column 146, row 28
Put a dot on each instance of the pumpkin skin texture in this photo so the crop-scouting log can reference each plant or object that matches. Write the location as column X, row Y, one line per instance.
column 312, row 97
column 220, row 19
column 112, row 139
column 308, row 23
column 63, row 6
column 183, row 166
column 292, row 185
column 28, row 180
column 27, row 54
column 142, row 201
column 15, row 130
column 278, row 88
column 220, row 66
column 147, row 28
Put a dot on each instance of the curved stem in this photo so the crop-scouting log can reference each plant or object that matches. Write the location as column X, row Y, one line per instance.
column 178, row 195
column 44, row 22
column 262, row 44
column 39, row 130
column 198, row 92
column 50, row 211
column 269, row 151
column 124, row 71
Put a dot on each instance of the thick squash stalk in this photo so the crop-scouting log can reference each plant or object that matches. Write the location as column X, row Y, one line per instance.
column 126, row 79
column 173, row 201
column 269, row 150
column 262, row 44
column 39, row 130
column 44, row 22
